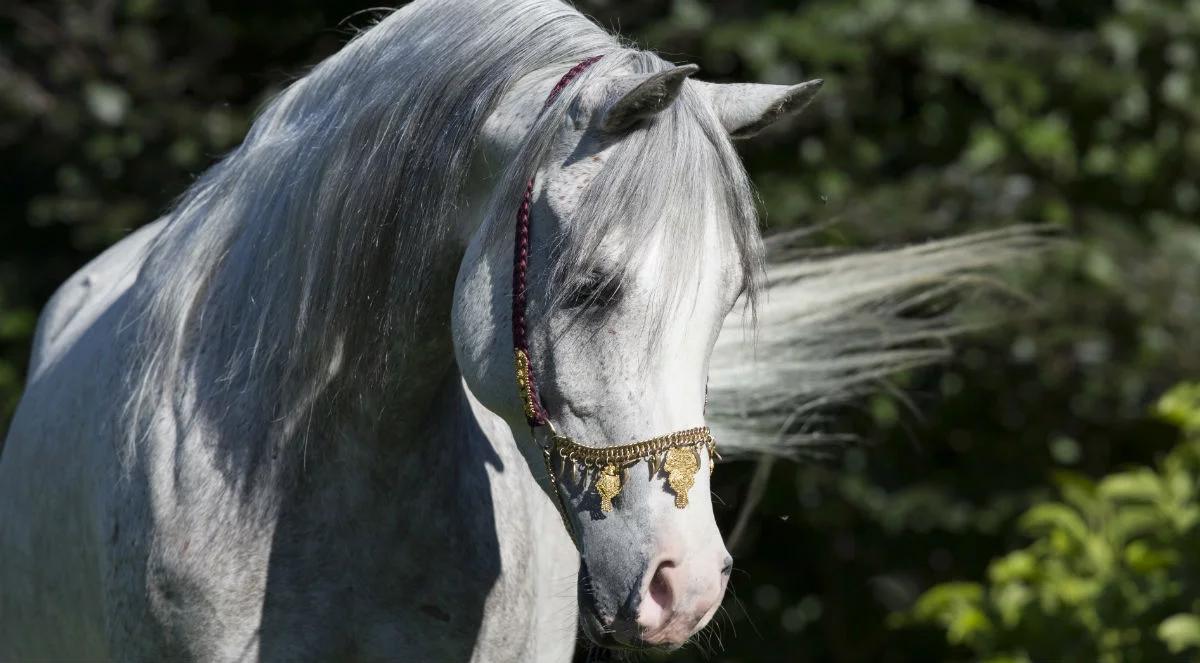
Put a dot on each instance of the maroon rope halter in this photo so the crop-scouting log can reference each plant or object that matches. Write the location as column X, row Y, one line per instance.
column 535, row 414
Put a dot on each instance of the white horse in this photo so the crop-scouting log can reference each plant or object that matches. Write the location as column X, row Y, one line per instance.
column 281, row 423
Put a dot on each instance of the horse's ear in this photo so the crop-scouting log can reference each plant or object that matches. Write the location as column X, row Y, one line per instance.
column 747, row 108
column 643, row 96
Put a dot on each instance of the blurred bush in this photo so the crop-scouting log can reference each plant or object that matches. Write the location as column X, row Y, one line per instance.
column 1112, row 575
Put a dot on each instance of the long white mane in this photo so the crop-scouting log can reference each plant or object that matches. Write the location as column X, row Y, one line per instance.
column 830, row 328
column 308, row 252
column 301, row 264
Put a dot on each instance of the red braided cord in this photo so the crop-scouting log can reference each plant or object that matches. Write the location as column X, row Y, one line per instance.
column 521, row 257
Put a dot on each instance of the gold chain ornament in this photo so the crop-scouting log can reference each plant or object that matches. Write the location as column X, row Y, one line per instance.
column 677, row 454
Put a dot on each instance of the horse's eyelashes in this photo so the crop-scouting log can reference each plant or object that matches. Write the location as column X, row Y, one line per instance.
column 594, row 290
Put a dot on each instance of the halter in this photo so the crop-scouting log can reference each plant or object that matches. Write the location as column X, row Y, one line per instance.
column 677, row 454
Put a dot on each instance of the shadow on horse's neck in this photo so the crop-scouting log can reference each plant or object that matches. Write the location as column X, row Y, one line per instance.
column 424, row 371
column 396, row 514
column 425, row 366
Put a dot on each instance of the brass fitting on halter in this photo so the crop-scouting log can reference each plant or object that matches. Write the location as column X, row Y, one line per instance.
column 525, row 386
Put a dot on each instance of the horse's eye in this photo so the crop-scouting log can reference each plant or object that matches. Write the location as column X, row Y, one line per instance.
column 594, row 290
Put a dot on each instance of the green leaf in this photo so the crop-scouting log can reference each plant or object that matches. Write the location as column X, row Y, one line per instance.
column 967, row 625
column 1132, row 521
column 1141, row 485
column 1181, row 406
column 1019, row 565
column 1055, row 516
column 940, row 600
column 1144, row 559
column 1180, row 632
column 1011, row 601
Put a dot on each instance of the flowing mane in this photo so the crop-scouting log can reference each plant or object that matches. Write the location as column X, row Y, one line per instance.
column 833, row 327
column 302, row 263
column 310, row 248
column 304, row 259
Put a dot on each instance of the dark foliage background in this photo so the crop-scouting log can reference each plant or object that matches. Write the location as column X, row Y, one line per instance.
column 938, row 117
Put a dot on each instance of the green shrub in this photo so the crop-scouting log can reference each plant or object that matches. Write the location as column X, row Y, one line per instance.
column 1113, row 573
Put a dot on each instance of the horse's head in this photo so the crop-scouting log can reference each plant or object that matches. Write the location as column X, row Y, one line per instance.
column 642, row 236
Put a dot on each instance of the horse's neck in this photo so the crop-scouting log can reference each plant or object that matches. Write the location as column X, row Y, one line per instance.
column 425, row 364
column 427, row 360
column 444, row 449
column 461, row 471
column 427, row 368
column 447, row 524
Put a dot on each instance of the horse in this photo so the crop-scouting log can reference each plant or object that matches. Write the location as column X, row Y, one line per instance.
column 434, row 366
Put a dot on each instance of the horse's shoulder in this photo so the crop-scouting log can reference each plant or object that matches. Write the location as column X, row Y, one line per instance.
column 87, row 292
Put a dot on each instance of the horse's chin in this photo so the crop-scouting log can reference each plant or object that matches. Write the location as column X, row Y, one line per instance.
column 604, row 636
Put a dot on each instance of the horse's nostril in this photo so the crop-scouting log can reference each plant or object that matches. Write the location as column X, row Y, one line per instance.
column 680, row 597
column 660, row 587
column 657, row 605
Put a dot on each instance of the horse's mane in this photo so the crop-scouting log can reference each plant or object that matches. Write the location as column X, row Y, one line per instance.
column 308, row 253
column 305, row 258
column 832, row 327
